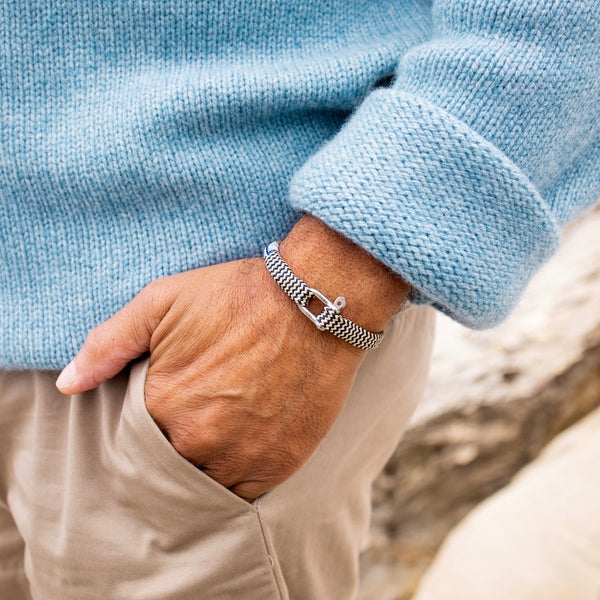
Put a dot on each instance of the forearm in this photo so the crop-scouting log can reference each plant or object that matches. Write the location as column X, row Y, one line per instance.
column 336, row 266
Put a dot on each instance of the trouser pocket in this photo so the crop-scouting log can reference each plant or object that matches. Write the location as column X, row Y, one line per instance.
column 131, row 519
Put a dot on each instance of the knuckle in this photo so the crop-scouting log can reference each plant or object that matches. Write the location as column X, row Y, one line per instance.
column 185, row 439
column 93, row 340
column 290, row 459
column 225, row 468
column 179, row 442
column 161, row 287
column 157, row 295
column 153, row 287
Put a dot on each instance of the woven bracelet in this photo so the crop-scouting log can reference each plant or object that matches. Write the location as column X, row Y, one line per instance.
column 330, row 318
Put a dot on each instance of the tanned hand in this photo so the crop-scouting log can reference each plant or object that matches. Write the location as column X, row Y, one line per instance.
column 242, row 384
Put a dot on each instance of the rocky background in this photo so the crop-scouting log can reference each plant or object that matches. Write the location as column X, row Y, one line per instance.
column 495, row 398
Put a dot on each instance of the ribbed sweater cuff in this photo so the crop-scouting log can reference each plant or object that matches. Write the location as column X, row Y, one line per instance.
column 436, row 202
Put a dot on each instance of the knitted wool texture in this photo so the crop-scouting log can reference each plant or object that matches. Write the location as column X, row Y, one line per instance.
column 142, row 138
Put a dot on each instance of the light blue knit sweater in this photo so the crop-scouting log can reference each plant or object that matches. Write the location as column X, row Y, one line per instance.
column 143, row 138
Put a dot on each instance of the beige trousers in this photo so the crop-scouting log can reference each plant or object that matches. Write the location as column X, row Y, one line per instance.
column 95, row 503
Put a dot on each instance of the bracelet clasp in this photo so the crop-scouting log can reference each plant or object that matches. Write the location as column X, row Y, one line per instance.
column 336, row 306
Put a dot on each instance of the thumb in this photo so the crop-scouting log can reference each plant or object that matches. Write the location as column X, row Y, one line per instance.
column 111, row 345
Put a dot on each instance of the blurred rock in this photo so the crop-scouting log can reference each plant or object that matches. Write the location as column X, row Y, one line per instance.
column 536, row 538
column 495, row 398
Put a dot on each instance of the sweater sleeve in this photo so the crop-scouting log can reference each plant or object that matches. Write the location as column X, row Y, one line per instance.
column 459, row 175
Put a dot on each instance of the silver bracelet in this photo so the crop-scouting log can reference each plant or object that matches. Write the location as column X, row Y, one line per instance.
column 330, row 319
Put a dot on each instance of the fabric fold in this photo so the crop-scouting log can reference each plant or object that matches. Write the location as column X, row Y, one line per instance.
column 433, row 200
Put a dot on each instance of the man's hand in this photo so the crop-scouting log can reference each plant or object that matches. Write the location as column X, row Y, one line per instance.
column 241, row 383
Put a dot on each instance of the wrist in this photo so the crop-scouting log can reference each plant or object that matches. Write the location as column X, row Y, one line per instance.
column 336, row 266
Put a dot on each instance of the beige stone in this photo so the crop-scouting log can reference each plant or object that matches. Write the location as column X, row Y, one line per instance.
column 495, row 398
column 536, row 539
